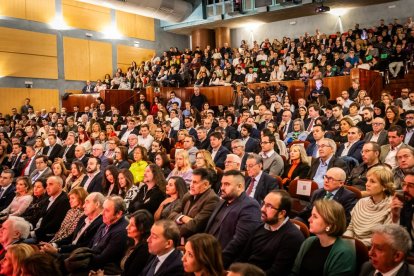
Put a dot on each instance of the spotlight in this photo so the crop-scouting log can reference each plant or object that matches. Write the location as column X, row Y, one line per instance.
column 322, row 9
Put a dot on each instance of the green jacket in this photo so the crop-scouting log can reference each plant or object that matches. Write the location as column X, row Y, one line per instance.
column 341, row 260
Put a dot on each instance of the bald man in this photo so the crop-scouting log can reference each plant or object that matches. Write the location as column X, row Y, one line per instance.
column 333, row 189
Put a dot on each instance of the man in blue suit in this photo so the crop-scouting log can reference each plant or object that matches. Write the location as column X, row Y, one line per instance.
column 7, row 190
column 235, row 218
column 218, row 151
column 353, row 147
column 162, row 243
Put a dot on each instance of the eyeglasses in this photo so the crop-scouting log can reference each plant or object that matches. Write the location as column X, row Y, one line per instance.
column 269, row 206
column 265, row 142
column 229, row 162
column 330, row 178
column 323, row 146
column 377, row 124
column 250, row 165
column 409, row 118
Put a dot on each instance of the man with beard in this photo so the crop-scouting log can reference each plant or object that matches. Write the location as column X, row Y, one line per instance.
column 274, row 245
column 402, row 208
column 366, row 124
column 405, row 160
column 235, row 218
column 409, row 131
column 337, row 113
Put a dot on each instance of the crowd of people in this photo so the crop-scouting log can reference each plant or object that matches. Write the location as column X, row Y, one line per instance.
column 176, row 186
column 385, row 47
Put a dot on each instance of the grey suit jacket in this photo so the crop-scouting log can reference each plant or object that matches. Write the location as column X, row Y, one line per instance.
column 368, row 270
column 46, row 173
column 385, row 149
column 382, row 139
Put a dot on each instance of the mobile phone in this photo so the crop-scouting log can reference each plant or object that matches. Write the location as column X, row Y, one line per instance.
column 399, row 194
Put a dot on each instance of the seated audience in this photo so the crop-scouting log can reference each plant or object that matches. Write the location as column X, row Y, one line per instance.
column 203, row 256
column 374, row 209
column 13, row 231
column 326, row 253
column 110, row 184
column 298, row 132
column 275, row 244
column 12, row 262
column 298, row 165
column 76, row 176
column 175, row 191
column 182, row 167
column 40, row 201
column 163, row 162
column 40, row 264
column 140, row 163
column 21, row 201
column 390, row 248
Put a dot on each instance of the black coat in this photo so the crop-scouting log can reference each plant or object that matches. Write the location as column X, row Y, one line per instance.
column 95, row 185
column 7, row 197
column 137, row 259
column 266, row 184
column 172, row 266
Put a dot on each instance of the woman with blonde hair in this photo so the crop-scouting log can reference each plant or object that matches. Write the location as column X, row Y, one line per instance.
column 326, row 253
column 298, row 165
column 181, row 134
column 96, row 129
column 16, row 254
column 374, row 209
column 182, row 167
column 204, row 160
column 21, row 201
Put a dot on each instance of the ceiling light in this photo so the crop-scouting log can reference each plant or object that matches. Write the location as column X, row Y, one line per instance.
column 339, row 11
column 58, row 23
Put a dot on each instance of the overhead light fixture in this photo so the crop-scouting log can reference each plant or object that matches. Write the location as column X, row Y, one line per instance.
column 58, row 23
column 322, row 8
column 339, row 11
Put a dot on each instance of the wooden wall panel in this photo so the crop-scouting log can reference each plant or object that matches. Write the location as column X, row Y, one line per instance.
column 40, row 10
column 39, row 98
column 18, row 41
column 100, row 59
column 145, row 27
column 30, row 66
column 85, row 16
column 126, row 54
column 13, row 8
column 136, row 26
column 76, row 58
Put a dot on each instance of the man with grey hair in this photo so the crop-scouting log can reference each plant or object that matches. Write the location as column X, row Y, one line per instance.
column 14, row 230
column 98, row 152
column 232, row 162
column 378, row 133
column 325, row 161
column 391, row 245
column 238, row 148
column 85, row 230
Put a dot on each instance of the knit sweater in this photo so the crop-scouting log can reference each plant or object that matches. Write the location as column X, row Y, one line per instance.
column 365, row 215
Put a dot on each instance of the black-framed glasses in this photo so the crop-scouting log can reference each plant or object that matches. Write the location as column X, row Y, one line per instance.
column 330, row 178
column 269, row 206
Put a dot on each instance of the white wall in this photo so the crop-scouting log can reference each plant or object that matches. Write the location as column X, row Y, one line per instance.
column 367, row 16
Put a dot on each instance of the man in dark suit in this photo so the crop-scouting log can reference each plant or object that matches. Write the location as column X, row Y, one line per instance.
column 235, row 218
column 52, row 151
column 318, row 133
column 126, row 131
column 310, row 122
column 409, row 131
column 319, row 90
column 189, row 126
column 390, row 247
column 67, row 153
column 169, row 131
column 15, row 158
column 250, row 144
column 162, row 243
column 80, row 155
column 218, row 151
column 54, row 213
column 275, row 244
column 76, row 114
column 85, row 230
column 27, row 166
column 98, row 152
column 42, row 170
column 203, row 142
column 93, row 181
column 258, row 183
column 333, row 189
column 88, row 88
column 286, row 125
column 325, row 161
column 352, row 148
column 378, row 133
column 7, row 190
column 402, row 209
column 230, row 131
column 238, row 149
column 197, row 205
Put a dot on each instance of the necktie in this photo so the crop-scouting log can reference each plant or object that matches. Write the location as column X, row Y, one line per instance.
column 151, row 271
column 27, row 165
column 250, row 188
column 328, row 195
column 35, row 177
column 1, row 192
column 310, row 125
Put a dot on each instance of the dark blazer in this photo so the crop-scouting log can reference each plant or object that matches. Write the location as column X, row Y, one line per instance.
column 52, row 218
column 204, row 144
column 84, row 160
column 289, row 130
column 122, row 132
column 199, row 208
column 301, row 171
column 411, row 142
column 343, row 196
column 193, row 132
column 221, row 156
column 252, row 145
column 84, row 240
column 382, row 139
column 237, row 222
column 334, row 162
column 69, row 156
column 264, row 186
column 109, row 247
column 54, row 153
column 231, row 132
column 311, row 147
column 172, row 266
column 368, row 270
column 16, row 162
column 172, row 134
column 136, row 261
column 22, row 166
column 406, row 216
column 122, row 165
column 7, row 197
column 354, row 151
column 95, row 185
